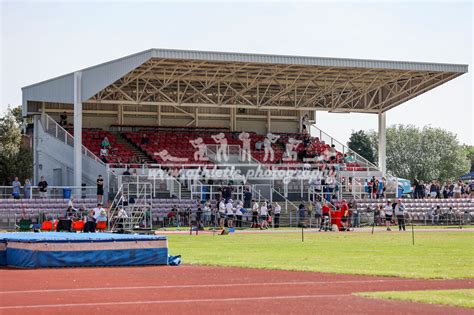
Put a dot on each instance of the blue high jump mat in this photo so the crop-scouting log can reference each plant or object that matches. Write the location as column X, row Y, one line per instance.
column 61, row 249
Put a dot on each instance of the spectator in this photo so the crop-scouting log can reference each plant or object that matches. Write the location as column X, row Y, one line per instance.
column 43, row 188
column 100, row 189
column 263, row 216
column 144, row 139
column 89, row 226
column 222, row 209
column 255, row 208
column 27, row 189
column 355, row 215
column 229, row 207
column 388, row 210
column 277, row 212
column 199, row 217
column 238, row 214
column 98, row 210
column 105, row 143
column 206, row 214
column 301, row 213
column 127, row 172
column 317, row 213
column 399, row 209
column 16, row 186
column 63, row 119
column 247, row 198
column 104, row 152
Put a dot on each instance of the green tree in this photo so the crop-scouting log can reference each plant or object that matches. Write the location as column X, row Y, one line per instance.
column 469, row 149
column 360, row 141
column 426, row 154
column 15, row 158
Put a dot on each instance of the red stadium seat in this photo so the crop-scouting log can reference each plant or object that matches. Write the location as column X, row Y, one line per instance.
column 47, row 226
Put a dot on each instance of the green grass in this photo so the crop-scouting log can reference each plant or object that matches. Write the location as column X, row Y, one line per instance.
column 461, row 298
column 435, row 255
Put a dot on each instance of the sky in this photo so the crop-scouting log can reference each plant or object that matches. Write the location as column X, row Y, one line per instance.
column 41, row 40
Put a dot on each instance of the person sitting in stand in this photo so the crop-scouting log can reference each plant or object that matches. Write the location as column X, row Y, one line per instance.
column 144, row 139
column 105, row 143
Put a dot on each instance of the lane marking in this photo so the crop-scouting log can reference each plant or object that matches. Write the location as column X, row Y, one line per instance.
column 235, row 299
column 196, row 286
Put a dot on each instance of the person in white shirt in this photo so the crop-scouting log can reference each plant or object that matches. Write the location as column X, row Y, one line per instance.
column 238, row 214
column 97, row 210
column 222, row 208
column 263, row 216
column 229, row 208
column 388, row 214
column 276, row 211
column 255, row 208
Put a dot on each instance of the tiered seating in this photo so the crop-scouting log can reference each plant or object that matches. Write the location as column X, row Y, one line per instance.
column 119, row 152
column 11, row 209
column 177, row 143
column 419, row 209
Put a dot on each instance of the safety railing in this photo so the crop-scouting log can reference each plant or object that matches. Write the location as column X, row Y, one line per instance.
column 56, row 192
column 340, row 147
column 54, row 129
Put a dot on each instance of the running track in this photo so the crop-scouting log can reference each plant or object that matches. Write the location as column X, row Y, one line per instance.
column 206, row 290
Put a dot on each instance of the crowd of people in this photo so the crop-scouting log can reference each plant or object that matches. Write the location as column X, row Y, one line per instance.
column 436, row 189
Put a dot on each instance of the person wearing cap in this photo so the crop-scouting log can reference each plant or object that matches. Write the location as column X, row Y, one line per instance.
column 399, row 209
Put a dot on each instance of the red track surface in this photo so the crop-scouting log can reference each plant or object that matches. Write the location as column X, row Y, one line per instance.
column 206, row 290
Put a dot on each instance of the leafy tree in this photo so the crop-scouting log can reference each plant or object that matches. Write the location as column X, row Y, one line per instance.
column 361, row 142
column 425, row 154
column 15, row 158
column 470, row 155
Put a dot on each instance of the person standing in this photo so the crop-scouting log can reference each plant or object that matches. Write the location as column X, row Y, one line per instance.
column 100, row 189
column 263, row 216
column 277, row 211
column 388, row 210
column 229, row 209
column 255, row 208
column 238, row 214
column 43, row 188
column 222, row 208
column 27, row 189
column 355, row 215
column 16, row 186
column 317, row 214
column 301, row 214
column 400, row 213
column 247, row 199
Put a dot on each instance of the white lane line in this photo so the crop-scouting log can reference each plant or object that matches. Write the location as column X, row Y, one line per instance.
column 235, row 299
column 197, row 286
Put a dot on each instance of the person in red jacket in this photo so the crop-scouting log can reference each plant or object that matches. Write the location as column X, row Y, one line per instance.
column 345, row 214
column 326, row 225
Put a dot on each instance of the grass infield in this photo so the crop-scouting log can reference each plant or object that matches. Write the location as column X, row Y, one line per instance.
column 460, row 298
column 447, row 255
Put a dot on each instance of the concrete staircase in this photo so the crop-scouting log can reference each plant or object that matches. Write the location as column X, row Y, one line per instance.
column 142, row 157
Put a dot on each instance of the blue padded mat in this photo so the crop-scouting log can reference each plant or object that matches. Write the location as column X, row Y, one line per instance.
column 75, row 237
column 62, row 249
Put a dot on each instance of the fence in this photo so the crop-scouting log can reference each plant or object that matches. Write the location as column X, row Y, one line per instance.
column 55, row 192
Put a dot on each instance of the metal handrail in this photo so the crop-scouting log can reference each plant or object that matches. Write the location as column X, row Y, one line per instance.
column 345, row 148
column 68, row 138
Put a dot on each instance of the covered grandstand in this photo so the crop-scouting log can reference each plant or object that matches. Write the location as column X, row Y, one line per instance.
column 170, row 97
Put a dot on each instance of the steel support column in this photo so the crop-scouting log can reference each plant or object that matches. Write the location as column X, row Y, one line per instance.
column 382, row 150
column 77, row 132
